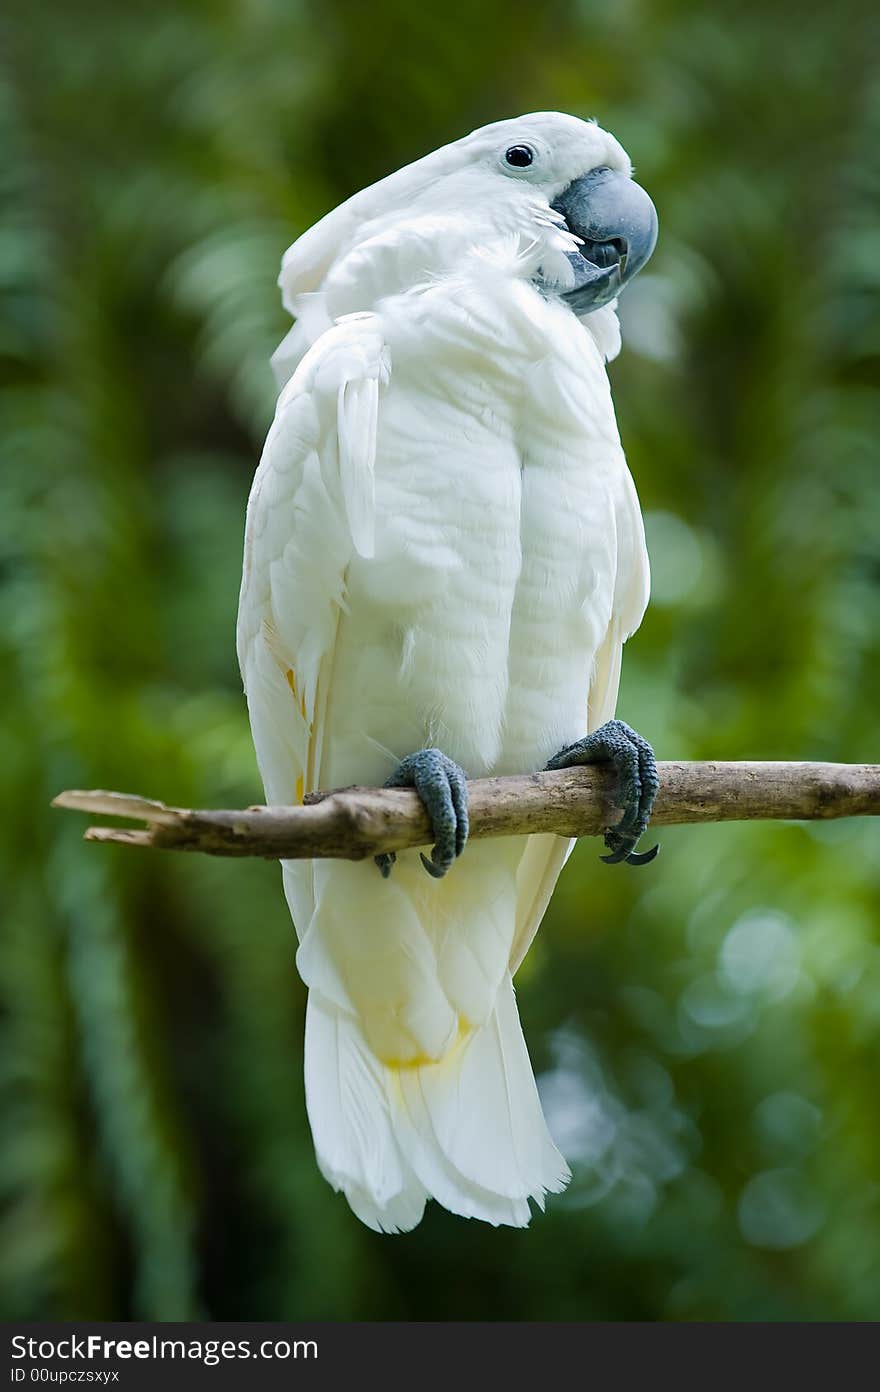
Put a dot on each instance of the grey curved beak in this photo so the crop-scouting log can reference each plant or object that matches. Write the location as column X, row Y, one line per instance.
column 617, row 224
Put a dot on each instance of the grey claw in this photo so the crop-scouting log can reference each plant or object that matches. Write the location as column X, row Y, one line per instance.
column 633, row 759
column 442, row 788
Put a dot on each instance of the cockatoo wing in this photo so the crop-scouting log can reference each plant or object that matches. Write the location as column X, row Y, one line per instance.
column 311, row 509
column 545, row 855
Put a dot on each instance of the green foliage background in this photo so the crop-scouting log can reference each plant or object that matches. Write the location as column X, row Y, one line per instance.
column 708, row 1032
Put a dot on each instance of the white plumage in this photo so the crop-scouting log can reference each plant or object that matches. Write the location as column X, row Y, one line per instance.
column 443, row 547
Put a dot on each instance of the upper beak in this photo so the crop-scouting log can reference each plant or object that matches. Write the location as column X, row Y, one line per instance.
column 617, row 224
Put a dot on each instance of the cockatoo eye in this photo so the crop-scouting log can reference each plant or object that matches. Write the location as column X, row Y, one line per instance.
column 520, row 156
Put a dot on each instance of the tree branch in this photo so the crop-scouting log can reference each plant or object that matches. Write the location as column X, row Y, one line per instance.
column 352, row 823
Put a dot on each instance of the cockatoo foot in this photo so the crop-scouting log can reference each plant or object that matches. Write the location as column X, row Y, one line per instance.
column 636, row 768
column 442, row 788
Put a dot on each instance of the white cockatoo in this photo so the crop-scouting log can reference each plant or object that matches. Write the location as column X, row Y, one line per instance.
column 444, row 553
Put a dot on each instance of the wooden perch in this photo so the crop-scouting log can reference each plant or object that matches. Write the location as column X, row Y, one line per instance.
column 352, row 823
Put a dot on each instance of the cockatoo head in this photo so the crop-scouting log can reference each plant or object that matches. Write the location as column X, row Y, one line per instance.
column 566, row 187
column 561, row 187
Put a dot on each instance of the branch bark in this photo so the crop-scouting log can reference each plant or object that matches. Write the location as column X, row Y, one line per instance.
column 353, row 823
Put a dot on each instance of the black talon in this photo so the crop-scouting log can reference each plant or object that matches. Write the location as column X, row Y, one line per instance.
column 385, row 862
column 636, row 767
column 435, row 870
column 618, row 856
column 643, row 857
column 442, row 788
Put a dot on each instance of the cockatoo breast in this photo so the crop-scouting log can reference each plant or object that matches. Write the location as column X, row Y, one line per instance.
column 475, row 623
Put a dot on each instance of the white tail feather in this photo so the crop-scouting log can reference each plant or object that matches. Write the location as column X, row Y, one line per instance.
column 347, row 1102
column 467, row 1131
